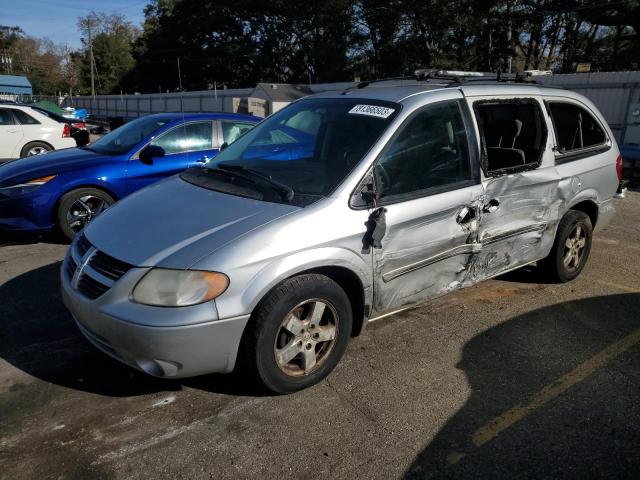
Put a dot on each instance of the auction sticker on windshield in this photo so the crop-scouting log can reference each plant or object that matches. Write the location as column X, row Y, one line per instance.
column 372, row 110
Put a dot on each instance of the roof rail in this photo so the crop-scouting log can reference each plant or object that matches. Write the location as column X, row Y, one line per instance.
column 366, row 83
column 457, row 77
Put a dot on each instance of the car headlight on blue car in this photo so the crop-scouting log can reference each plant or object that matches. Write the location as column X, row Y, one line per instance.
column 25, row 187
column 163, row 287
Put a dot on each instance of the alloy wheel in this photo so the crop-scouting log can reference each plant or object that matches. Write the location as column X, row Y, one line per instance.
column 36, row 151
column 574, row 247
column 84, row 210
column 306, row 337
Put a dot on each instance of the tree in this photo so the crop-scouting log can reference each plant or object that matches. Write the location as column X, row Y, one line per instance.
column 112, row 38
column 238, row 43
column 44, row 63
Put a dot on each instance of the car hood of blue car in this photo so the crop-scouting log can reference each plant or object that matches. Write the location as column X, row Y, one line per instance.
column 52, row 163
column 174, row 224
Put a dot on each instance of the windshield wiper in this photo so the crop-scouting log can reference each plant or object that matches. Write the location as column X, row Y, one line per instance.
column 285, row 191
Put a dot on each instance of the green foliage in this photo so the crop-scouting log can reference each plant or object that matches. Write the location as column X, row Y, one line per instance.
column 112, row 39
column 237, row 43
column 45, row 64
column 9, row 36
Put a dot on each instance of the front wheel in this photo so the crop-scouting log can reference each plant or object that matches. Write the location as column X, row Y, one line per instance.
column 298, row 333
column 78, row 207
column 571, row 247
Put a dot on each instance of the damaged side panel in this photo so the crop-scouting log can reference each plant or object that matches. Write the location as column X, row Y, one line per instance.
column 456, row 239
column 427, row 246
column 505, row 223
column 522, row 229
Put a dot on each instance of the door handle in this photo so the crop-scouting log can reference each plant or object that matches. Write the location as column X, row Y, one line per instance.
column 464, row 215
column 491, row 206
column 204, row 159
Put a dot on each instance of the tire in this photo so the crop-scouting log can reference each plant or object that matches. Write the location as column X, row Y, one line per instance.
column 35, row 148
column 84, row 204
column 269, row 339
column 555, row 266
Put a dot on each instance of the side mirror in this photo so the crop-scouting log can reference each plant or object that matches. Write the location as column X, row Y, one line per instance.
column 148, row 153
column 368, row 189
column 223, row 146
column 366, row 194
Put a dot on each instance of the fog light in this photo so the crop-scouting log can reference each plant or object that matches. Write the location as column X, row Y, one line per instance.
column 158, row 368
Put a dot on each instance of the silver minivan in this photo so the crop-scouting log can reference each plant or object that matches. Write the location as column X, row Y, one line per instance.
column 341, row 208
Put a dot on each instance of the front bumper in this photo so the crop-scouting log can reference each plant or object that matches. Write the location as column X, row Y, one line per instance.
column 26, row 212
column 202, row 344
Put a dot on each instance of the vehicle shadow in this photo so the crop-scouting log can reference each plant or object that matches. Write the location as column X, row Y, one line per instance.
column 39, row 337
column 526, row 418
column 29, row 238
column 526, row 274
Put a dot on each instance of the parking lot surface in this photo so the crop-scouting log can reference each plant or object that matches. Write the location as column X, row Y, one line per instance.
column 512, row 378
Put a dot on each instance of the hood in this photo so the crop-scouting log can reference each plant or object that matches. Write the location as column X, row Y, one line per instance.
column 56, row 162
column 174, row 224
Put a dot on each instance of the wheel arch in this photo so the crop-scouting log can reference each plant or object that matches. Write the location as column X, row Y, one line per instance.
column 590, row 208
column 342, row 266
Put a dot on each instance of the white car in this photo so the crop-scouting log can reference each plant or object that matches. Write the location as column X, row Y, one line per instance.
column 25, row 131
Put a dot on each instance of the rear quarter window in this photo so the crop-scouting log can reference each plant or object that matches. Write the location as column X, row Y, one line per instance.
column 24, row 118
column 575, row 127
column 5, row 117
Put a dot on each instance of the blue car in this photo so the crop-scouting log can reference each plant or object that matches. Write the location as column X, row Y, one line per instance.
column 68, row 188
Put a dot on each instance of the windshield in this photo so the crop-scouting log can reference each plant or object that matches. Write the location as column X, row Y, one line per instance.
column 124, row 138
column 311, row 145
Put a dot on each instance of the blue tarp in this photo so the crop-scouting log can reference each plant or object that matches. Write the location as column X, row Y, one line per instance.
column 15, row 84
column 81, row 113
column 630, row 152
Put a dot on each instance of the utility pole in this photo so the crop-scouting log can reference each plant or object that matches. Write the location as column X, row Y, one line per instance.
column 509, row 34
column 91, row 61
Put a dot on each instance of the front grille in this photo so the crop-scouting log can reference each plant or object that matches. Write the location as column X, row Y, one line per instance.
column 99, row 270
column 108, row 266
column 82, row 246
column 71, row 267
column 90, row 287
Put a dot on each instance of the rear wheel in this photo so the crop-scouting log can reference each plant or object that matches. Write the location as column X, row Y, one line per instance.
column 78, row 207
column 298, row 334
column 571, row 247
column 35, row 148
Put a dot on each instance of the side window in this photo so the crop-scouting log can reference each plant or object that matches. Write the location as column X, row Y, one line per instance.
column 187, row 138
column 430, row 151
column 6, row 118
column 25, row 118
column 575, row 127
column 231, row 131
column 513, row 133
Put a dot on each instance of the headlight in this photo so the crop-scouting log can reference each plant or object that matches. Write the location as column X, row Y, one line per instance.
column 26, row 187
column 179, row 288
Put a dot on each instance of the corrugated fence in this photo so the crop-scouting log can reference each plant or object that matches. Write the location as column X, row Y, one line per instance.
column 614, row 93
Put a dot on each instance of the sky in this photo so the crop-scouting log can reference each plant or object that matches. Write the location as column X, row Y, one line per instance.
column 56, row 19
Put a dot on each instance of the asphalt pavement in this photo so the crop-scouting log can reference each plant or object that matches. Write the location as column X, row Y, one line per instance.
column 512, row 378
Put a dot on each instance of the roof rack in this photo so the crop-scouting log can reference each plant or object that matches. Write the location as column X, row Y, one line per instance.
column 457, row 77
